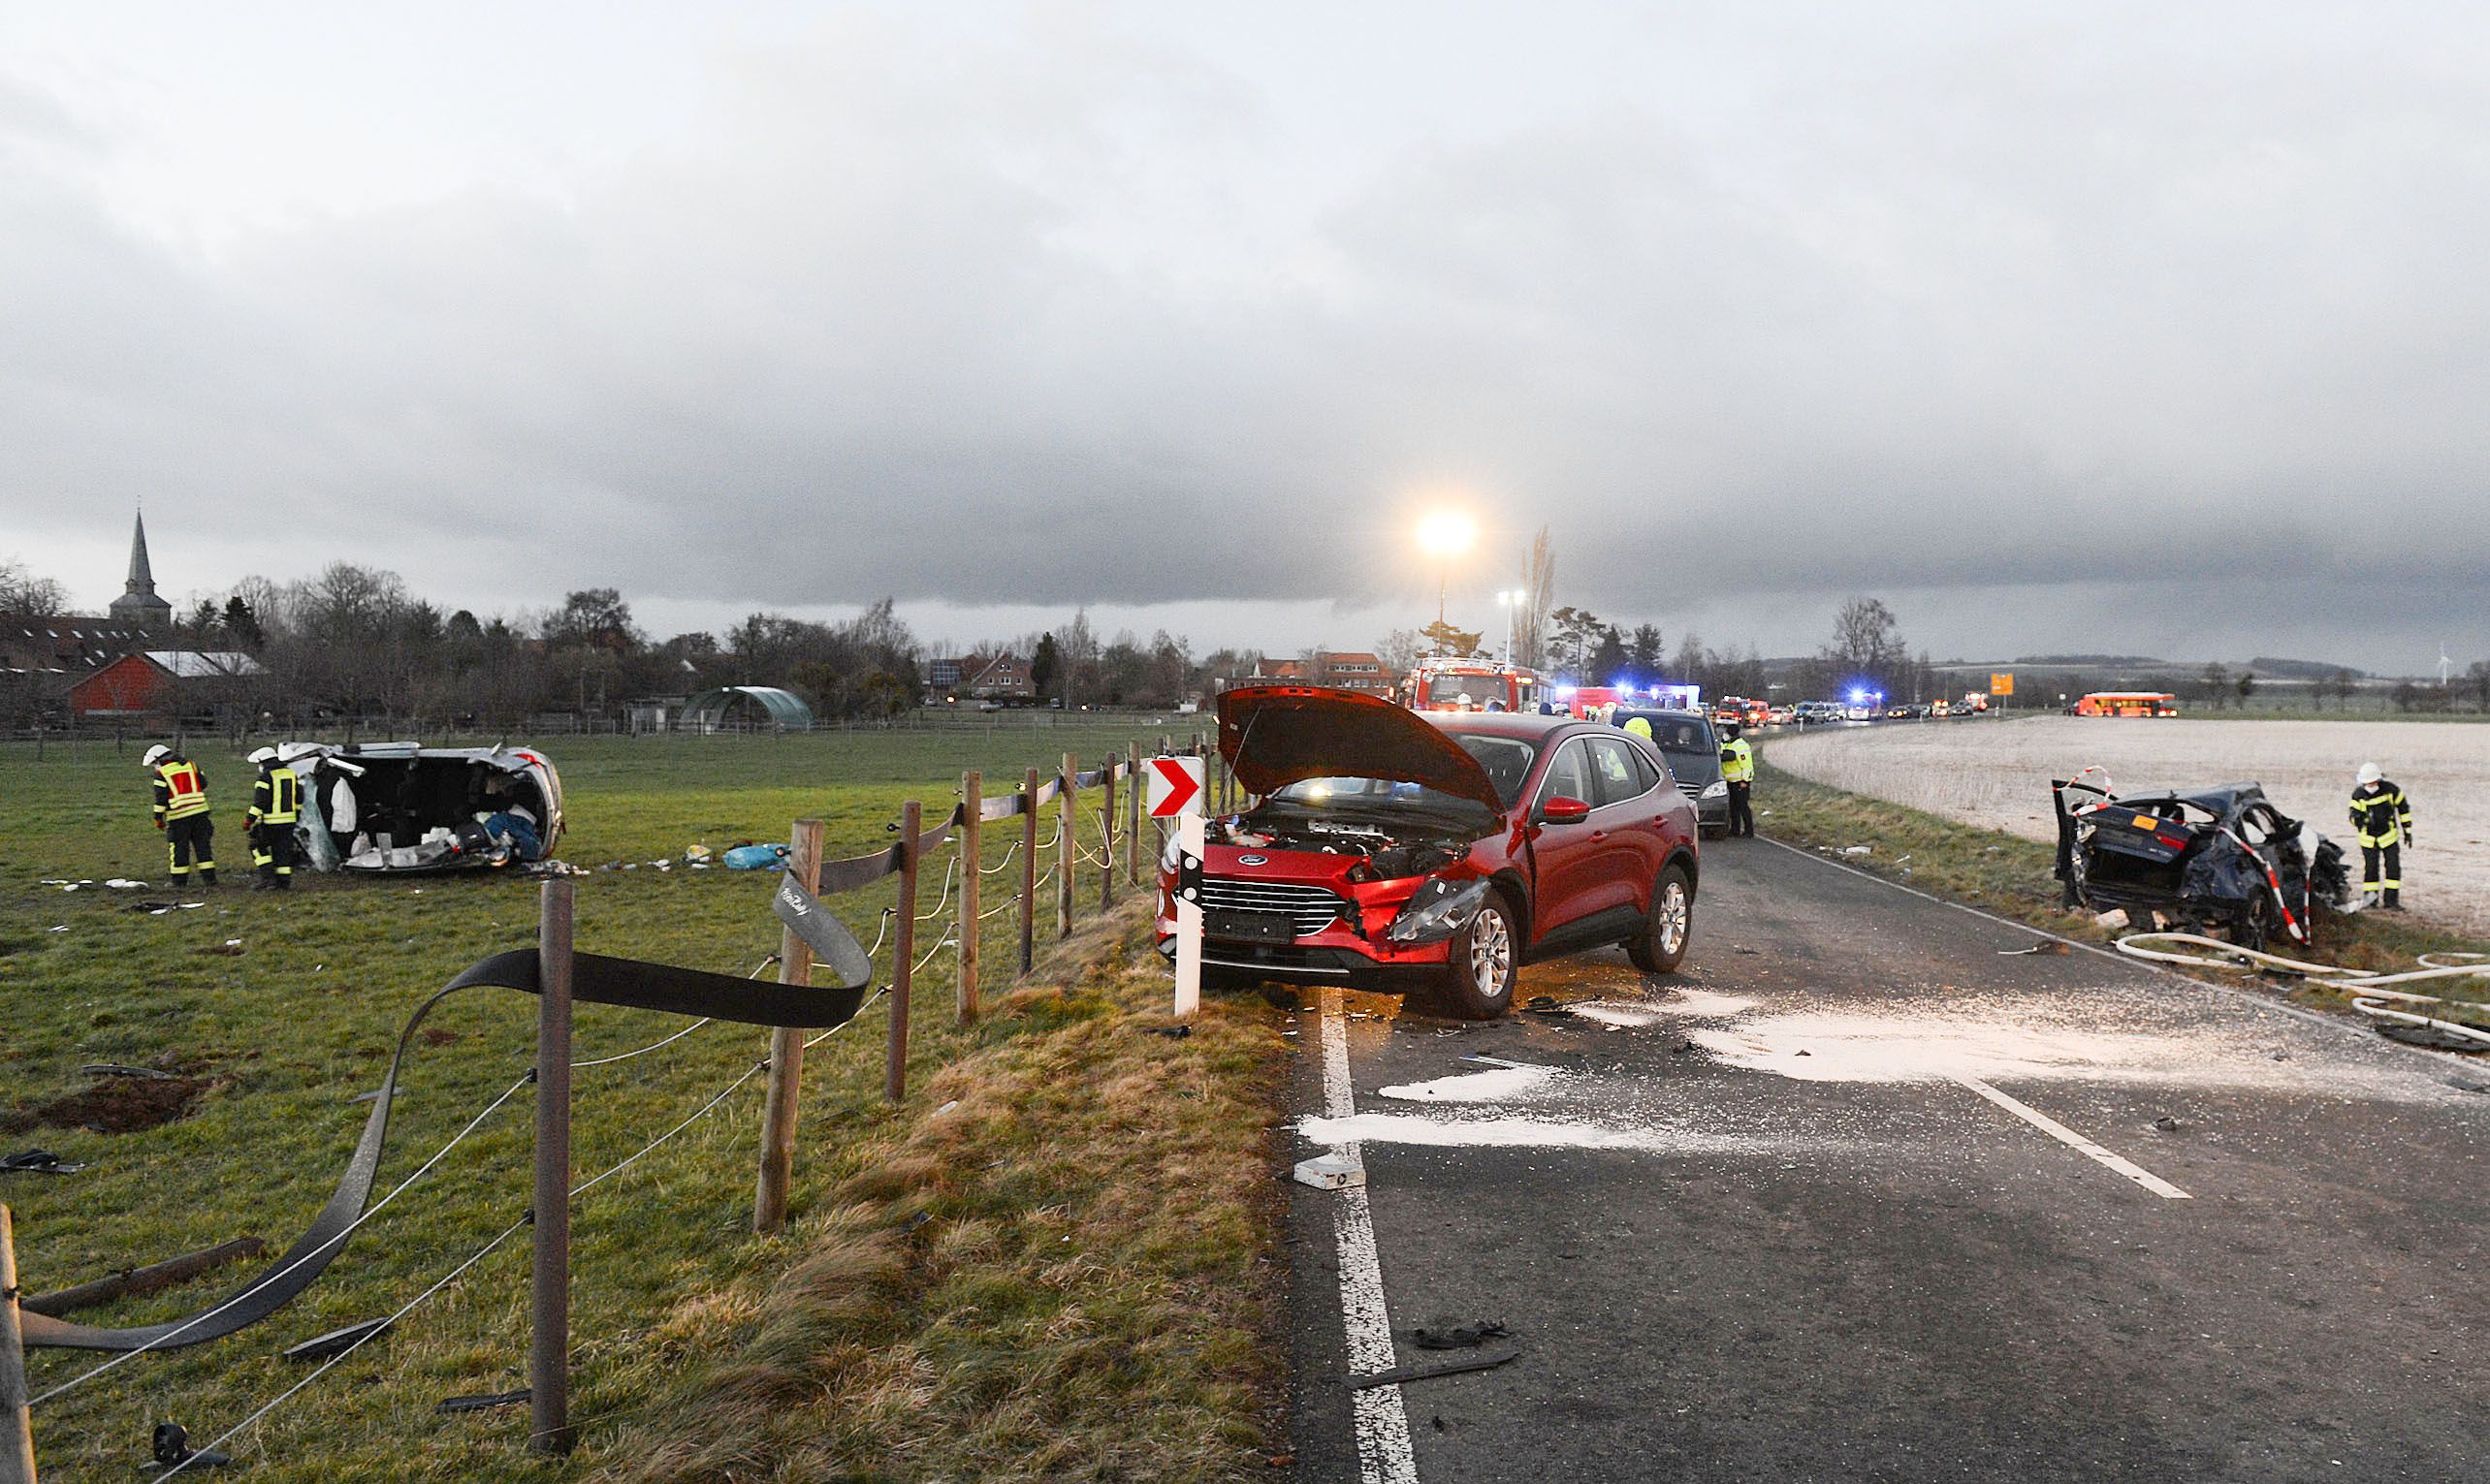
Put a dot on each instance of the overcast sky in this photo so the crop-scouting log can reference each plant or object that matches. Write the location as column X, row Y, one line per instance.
column 2117, row 327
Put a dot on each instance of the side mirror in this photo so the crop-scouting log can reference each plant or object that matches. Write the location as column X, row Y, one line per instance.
column 1564, row 809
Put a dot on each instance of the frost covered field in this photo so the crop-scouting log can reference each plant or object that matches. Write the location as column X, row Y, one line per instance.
column 1996, row 774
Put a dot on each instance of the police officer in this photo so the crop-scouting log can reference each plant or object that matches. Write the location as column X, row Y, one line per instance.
column 2382, row 818
column 181, row 793
column 276, row 803
column 1737, row 770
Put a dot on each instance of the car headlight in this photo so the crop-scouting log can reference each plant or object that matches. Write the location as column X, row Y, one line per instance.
column 1436, row 910
column 1717, row 788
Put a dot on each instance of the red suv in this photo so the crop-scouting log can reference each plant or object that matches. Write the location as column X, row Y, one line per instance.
column 1435, row 852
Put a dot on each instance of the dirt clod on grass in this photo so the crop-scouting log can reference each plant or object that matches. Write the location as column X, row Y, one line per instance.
column 117, row 1105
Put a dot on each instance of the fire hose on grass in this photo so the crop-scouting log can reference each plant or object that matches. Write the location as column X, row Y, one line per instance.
column 2371, row 994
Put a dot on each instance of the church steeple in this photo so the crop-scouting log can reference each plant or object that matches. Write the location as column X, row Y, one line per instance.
column 138, row 603
column 141, row 580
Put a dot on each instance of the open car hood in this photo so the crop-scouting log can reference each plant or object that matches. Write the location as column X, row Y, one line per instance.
column 1273, row 735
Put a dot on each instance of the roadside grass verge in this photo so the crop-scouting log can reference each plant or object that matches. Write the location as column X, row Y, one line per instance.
column 1061, row 1267
column 2011, row 877
column 284, row 1006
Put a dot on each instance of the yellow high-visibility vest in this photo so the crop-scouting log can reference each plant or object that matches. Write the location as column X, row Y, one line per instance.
column 181, row 790
column 276, row 799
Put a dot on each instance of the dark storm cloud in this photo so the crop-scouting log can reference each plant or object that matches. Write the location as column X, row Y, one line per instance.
column 2036, row 315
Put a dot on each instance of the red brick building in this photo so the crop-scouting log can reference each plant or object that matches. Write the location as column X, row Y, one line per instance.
column 160, row 682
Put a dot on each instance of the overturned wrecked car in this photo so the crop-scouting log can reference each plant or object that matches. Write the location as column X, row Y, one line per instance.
column 402, row 809
column 2220, row 858
column 1435, row 852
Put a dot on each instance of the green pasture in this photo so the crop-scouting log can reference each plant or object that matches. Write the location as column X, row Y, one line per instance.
column 287, row 1005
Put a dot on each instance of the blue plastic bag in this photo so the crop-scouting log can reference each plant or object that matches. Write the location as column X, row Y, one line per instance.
column 756, row 858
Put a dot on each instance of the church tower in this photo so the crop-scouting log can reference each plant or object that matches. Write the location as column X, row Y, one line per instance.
column 138, row 604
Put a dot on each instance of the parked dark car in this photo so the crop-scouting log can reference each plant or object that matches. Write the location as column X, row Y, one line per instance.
column 1691, row 749
column 1435, row 852
column 2220, row 858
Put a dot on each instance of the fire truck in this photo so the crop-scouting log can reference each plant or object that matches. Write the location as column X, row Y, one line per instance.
column 1443, row 683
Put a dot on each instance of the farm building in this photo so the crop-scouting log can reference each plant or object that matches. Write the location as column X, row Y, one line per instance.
column 161, row 682
column 1007, row 677
column 746, row 709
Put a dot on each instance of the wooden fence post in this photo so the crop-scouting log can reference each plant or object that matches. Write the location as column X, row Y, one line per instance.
column 1133, row 792
column 1106, row 839
column 971, row 887
column 1068, row 840
column 1028, row 873
column 786, row 1046
column 895, row 1074
column 17, row 1428
column 549, row 1343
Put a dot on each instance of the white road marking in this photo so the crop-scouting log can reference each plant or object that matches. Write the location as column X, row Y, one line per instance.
column 1376, row 1413
column 2075, row 1141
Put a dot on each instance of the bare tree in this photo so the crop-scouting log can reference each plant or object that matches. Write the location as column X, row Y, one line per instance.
column 1401, row 649
column 1538, row 590
column 1868, row 645
column 25, row 595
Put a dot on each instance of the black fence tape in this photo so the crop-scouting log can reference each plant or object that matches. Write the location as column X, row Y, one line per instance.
column 594, row 979
column 865, row 870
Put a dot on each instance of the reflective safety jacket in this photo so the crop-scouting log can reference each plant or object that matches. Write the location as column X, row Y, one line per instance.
column 276, row 799
column 1737, row 761
column 181, row 790
column 2381, row 815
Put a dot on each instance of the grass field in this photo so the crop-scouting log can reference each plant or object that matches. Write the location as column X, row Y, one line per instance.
column 923, row 1305
column 1995, row 775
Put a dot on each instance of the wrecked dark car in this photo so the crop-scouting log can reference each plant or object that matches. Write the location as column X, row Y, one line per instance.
column 401, row 808
column 1435, row 852
column 2220, row 858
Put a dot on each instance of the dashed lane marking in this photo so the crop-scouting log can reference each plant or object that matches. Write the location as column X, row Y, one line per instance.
column 2075, row 1141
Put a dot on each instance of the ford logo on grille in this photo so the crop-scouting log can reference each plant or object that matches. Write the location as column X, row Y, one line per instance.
column 1253, row 860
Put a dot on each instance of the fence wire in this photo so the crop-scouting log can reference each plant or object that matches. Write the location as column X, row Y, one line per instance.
column 504, row 1235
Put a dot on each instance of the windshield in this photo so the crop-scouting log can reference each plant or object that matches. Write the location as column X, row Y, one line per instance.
column 1465, row 688
column 1506, row 759
column 1680, row 734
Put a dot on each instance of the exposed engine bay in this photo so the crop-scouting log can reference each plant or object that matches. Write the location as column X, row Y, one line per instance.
column 1390, row 854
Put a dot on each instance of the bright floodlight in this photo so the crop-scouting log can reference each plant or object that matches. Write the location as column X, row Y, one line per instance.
column 1444, row 534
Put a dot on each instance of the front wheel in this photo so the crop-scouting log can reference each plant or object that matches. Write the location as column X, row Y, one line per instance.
column 1485, row 960
column 1670, row 926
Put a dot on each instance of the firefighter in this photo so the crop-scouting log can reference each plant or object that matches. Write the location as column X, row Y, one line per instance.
column 1737, row 770
column 2382, row 818
column 276, row 803
column 181, row 792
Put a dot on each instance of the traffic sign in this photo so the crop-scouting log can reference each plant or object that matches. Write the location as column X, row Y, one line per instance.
column 1175, row 786
column 2001, row 683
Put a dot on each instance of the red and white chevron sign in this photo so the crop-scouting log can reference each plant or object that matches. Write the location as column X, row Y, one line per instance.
column 1175, row 786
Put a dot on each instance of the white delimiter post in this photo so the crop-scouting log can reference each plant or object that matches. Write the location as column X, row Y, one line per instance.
column 1189, row 841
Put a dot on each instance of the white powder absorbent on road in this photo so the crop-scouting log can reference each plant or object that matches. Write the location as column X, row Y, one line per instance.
column 1488, row 1087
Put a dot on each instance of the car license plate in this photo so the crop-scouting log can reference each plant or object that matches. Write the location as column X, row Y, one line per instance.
column 1249, row 927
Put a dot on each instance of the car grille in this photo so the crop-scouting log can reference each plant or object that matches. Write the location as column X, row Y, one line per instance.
column 1309, row 909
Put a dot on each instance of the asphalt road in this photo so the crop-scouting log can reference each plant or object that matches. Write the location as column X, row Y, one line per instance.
column 1859, row 1197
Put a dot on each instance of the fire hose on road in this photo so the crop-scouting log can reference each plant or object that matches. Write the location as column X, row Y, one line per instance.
column 2371, row 992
